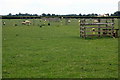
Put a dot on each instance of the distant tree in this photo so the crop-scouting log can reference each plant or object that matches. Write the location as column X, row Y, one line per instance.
column 80, row 14
column 26, row 14
column 117, row 13
column 108, row 14
column 16, row 14
column 43, row 14
column 84, row 15
column 10, row 14
column 92, row 14
column 112, row 15
column 35, row 15
column 48, row 14
column 20, row 14
column 53, row 14
column 96, row 14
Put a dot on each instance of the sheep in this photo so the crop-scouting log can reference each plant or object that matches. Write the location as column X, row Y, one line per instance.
column 23, row 22
column 96, row 21
column 26, row 22
column 69, row 21
column 4, row 23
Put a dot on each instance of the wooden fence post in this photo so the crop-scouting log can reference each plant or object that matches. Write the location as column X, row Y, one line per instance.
column 99, row 28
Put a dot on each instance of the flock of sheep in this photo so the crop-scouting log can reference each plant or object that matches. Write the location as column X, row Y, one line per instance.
column 27, row 22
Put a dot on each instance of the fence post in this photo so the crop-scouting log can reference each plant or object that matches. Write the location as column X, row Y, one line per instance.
column 99, row 28
column 112, row 27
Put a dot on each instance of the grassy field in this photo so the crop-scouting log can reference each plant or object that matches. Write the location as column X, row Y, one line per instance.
column 56, row 51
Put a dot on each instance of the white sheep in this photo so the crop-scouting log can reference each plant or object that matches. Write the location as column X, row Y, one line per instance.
column 78, row 21
column 69, row 21
column 4, row 23
column 26, row 22
column 23, row 22
column 96, row 21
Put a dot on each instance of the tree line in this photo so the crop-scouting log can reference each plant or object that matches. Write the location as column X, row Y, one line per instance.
column 117, row 13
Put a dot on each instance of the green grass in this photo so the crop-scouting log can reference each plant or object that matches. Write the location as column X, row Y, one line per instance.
column 56, row 51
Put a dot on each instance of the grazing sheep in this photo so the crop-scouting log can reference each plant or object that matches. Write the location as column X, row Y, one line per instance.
column 78, row 21
column 69, row 21
column 26, row 22
column 96, row 21
column 4, row 23
column 23, row 22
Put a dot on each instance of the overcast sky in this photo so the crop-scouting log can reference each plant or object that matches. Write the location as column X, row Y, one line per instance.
column 58, row 6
